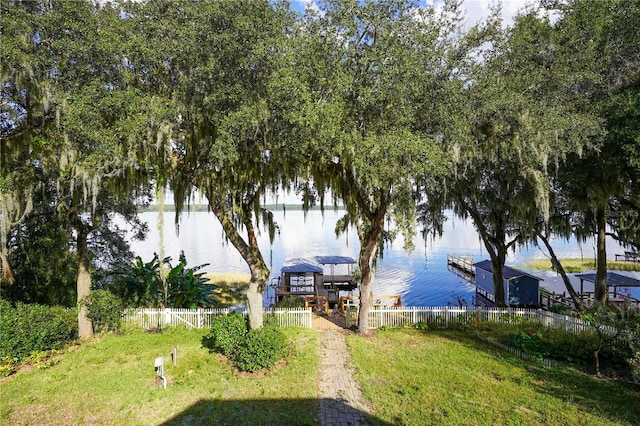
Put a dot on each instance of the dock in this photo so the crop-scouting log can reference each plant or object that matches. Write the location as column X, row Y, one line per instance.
column 462, row 266
column 320, row 280
column 628, row 256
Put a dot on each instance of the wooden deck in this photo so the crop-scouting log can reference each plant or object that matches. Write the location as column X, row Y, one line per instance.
column 462, row 266
column 613, row 297
column 326, row 287
column 319, row 278
column 377, row 301
column 337, row 281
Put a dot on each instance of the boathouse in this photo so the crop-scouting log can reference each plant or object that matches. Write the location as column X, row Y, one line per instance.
column 520, row 288
column 320, row 277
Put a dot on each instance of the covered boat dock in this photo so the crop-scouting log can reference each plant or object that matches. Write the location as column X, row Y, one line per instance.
column 615, row 282
column 319, row 277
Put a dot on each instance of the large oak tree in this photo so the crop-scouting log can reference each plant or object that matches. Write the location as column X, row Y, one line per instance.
column 220, row 135
column 79, row 124
column 369, row 70
column 522, row 121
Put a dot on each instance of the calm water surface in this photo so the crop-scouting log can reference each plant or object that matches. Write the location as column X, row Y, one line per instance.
column 420, row 277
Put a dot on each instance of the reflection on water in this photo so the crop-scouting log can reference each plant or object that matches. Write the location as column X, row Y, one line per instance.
column 421, row 277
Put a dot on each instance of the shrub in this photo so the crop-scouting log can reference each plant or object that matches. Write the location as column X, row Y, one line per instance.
column 559, row 309
column 291, row 302
column 28, row 328
column 529, row 342
column 227, row 333
column 575, row 348
column 261, row 348
column 422, row 326
column 250, row 350
column 140, row 284
column 104, row 309
column 187, row 289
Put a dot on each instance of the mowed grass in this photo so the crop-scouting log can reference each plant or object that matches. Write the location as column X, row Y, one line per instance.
column 414, row 377
column 112, row 381
column 411, row 377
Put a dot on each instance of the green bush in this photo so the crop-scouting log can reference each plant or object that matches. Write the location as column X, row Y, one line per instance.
column 227, row 333
column 559, row 309
column 28, row 328
column 104, row 309
column 291, row 302
column 140, row 284
column 250, row 350
column 574, row 348
column 261, row 348
column 529, row 342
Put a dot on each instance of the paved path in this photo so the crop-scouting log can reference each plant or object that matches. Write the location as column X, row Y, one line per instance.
column 340, row 400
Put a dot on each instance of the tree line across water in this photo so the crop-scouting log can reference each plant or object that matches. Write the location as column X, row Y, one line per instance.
column 395, row 111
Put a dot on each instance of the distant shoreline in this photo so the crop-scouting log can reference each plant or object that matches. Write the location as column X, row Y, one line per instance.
column 573, row 266
column 195, row 208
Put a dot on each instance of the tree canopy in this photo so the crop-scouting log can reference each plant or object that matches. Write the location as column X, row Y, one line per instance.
column 530, row 130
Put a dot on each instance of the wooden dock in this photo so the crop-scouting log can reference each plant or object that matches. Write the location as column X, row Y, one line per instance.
column 548, row 299
column 462, row 266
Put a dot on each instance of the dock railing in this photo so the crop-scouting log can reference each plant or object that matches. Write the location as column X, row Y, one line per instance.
column 548, row 299
column 317, row 302
column 347, row 302
column 462, row 263
column 201, row 318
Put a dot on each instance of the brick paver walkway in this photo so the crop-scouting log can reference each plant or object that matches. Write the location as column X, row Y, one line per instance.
column 340, row 400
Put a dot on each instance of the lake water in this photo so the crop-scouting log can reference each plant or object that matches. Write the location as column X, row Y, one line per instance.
column 421, row 278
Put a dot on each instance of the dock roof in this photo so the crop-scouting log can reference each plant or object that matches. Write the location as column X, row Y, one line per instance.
column 301, row 265
column 508, row 272
column 335, row 260
column 314, row 264
column 612, row 279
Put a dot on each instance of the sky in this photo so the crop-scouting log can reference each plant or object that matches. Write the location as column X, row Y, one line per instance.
column 476, row 10
column 479, row 9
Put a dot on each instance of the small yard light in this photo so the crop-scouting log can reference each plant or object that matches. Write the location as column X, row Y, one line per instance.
column 159, row 366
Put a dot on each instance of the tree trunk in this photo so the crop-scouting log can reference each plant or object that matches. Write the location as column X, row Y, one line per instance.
column 254, row 303
column 496, row 247
column 366, row 257
column 250, row 252
column 83, row 282
column 368, row 251
column 7, row 273
column 497, row 265
column 601, row 257
column 565, row 278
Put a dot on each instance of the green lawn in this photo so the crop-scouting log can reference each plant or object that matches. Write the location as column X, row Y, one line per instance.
column 417, row 377
column 112, row 381
column 411, row 377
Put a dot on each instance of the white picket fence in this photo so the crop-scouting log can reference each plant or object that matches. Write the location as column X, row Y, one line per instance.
column 445, row 316
column 292, row 317
column 201, row 318
column 442, row 317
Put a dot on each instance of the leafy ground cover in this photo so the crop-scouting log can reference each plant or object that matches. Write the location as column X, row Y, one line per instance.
column 448, row 377
column 112, row 381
